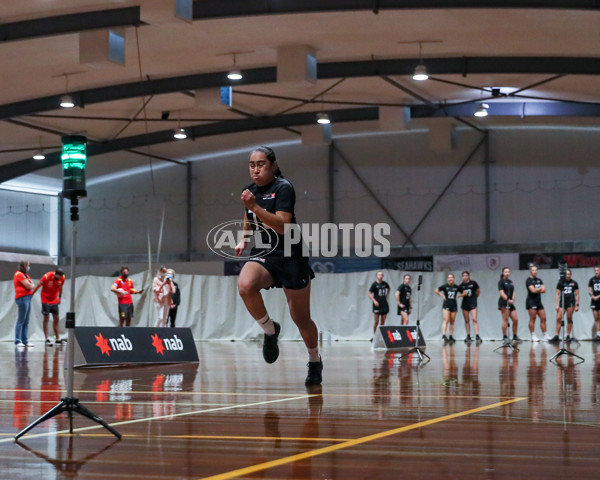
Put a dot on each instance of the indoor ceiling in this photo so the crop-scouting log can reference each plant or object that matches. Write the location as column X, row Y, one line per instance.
column 541, row 57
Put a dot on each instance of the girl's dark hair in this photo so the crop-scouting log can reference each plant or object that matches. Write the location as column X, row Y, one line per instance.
column 467, row 272
column 23, row 266
column 502, row 274
column 270, row 154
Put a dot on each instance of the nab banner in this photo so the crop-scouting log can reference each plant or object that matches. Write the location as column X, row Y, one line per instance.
column 395, row 337
column 95, row 346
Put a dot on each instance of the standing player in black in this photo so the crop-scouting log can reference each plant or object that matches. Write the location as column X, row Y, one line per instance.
column 469, row 291
column 594, row 290
column 378, row 294
column 449, row 292
column 506, row 305
column 270, row 203
column 404, row 299
column 568, row 290
column 533, row 303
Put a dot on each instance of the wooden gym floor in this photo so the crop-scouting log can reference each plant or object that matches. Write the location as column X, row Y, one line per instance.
column 469, row 413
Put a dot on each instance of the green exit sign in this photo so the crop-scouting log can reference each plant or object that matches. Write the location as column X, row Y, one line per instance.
column 74, row 158
column 73, row 152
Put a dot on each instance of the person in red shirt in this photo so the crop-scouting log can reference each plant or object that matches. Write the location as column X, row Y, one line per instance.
column 123, row 289
column 23, row 290
column 51, row 284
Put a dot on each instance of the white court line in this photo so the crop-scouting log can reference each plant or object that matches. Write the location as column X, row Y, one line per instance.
column 139, row 420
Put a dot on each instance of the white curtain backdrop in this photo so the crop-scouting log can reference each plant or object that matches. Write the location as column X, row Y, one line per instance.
column 211, row 307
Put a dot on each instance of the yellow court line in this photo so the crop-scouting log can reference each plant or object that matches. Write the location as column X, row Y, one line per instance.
column 351, row 443
column 222, row 437
column 161, row 417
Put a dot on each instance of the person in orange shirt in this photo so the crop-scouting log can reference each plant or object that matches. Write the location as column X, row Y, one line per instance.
column 23, row 290
column 123, row 289
column 51, row 284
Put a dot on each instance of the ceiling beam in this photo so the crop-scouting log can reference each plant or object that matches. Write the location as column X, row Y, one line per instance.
column 70, row 23
column 515, row 109
column 390, row 67
column 207, row 9
column 23, row 167
column 496, row 108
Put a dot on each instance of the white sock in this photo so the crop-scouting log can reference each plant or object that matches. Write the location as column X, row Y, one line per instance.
column 313, row 355
column 267, row 324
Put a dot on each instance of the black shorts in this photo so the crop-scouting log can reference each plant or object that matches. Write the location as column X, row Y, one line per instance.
column 49, row 308
column 291, row 273
column 531, row 304
column 568, row 303
column 504, row 304
column 126, row 310
column 450, row 308
column 400, row 310
column 468, row 307
column 382, row 309
column 595, row 305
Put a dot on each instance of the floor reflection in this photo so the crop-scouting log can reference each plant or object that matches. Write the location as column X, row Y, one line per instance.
column 22, row 405
column 65, row 461
column 536, row 372
column 508, row 378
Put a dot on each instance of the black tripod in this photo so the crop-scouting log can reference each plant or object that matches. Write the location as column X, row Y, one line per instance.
column 416, row 348
column 69, row 403
column 563, row 343
column 507, row 344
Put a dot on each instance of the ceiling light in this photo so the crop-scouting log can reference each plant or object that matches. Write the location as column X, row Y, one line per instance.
column 39, row 155
column 420, row 73
column 180, row 134
column 66, row 101
column 482, row 110
column 323, row 118
column 234, row 74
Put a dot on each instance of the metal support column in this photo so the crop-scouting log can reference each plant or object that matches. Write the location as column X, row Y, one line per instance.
column 331, row 181
column 188, row 250
column 487, row 161
column 60, row 230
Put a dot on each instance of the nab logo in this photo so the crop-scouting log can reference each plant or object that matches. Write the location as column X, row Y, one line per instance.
column 121, row 343
column 162, row 344
column 106, row 345
column 394, row 336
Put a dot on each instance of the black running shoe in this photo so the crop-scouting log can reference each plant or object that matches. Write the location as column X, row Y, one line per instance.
column 569, row 339
column 270, row 348
column 314, row 376
column 478, row 338
column 555, row 339
column 516, row 339
column 451, row 339
column 505, row 340
column 468, row 339
column 444, row 339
